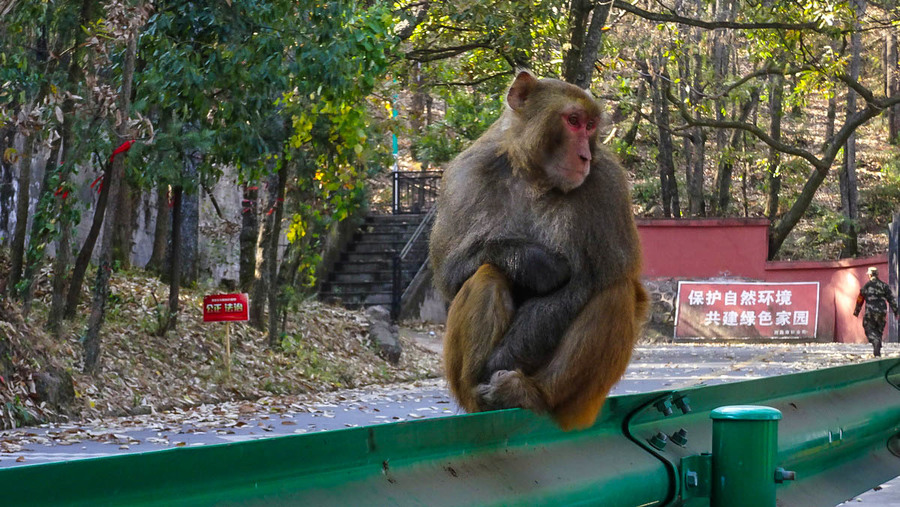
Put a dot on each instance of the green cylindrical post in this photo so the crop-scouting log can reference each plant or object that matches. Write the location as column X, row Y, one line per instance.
column 744, row 447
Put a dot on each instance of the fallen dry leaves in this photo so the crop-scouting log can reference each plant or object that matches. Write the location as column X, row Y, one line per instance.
column 325, row 348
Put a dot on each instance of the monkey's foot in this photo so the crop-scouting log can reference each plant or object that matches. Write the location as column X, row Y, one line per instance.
column 509, row 389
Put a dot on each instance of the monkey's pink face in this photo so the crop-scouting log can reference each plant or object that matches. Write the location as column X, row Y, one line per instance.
column 573, row 162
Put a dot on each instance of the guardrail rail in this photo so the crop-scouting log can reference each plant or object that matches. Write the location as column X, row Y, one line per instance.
column 838, row 436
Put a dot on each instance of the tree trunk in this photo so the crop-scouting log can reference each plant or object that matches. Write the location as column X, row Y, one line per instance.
column 123, row 224
column 161, row 230
column 7, row 138
column 726, row 169
column 631, row 135
column 260, row 285
column 579, row 13
column 274, row 286
column 175, row 266
column 87, row 249
column 104, row 269
column 190, row 223
column 53, row 202
column 665, row 161
column 848, row 184
column 68, row 156
column 249, row 237
column 696, row 203
column 687, row 95
column 830, row 117
column 780, row 230
column 42, row 226
column 773, row 176
column 60, row 270
column 417, row 102
column 585, row 39
column 721, row 55
column 17, row 252
column 892, row 83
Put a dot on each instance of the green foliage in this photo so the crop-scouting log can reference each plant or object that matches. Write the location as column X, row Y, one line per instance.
column 342, row 56
column 882, row 199
column 468, row 116
column 646, row 193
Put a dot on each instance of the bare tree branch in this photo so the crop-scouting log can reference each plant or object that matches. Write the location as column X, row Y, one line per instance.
column 712, row 25
column 430, row 55
column 477, row 81
column 6, row 6
column 874, row 107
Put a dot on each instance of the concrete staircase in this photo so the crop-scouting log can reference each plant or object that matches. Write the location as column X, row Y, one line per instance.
column 363, row 276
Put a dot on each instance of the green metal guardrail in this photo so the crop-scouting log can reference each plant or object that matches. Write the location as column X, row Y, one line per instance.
column 839, row 432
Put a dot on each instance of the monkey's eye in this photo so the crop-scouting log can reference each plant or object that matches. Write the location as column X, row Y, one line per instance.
column 591, row 124
column 573, row 120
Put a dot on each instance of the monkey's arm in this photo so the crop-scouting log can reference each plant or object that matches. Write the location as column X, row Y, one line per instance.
column 532, row 269
column 537, row 328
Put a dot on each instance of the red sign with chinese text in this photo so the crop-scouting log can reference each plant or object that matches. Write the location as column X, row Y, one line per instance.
column 226, row 308
column 746, row 310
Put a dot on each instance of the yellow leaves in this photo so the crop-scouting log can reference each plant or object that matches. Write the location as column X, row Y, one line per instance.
column 297, row 229
column 303, row 126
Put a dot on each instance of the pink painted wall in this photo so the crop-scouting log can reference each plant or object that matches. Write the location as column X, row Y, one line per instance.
column 737, row 248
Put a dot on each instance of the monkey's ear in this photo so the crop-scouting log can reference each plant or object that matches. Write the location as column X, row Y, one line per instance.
column 521, row 88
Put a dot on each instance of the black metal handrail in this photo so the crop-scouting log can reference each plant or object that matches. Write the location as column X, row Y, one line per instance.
column 415, row 191
column 417, row 237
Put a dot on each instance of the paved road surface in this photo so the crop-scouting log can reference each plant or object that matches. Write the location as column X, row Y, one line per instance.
column 652, row 368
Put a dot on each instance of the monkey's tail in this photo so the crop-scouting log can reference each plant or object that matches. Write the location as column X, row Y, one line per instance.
column 478, row 319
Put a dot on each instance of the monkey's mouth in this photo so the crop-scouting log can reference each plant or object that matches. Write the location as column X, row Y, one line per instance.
column 575, row 175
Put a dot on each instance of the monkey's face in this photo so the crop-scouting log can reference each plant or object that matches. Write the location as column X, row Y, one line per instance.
column 551, row 131
column 570, row 162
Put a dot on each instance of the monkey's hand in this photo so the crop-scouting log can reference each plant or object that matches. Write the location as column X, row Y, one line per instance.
column 533, row 269
column 537, row 328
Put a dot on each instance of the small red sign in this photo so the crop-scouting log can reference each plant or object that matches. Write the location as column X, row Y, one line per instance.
column 226, row 308
column 746, row 310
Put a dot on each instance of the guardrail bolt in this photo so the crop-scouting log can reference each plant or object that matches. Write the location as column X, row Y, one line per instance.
column 683, row 403
column 659, row 440
column 679, row 437
column 782, row 475
column 664, row 406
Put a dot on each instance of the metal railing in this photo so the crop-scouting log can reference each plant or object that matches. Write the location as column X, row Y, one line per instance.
column 415, row 191
column 839, row 435
column 418, row 238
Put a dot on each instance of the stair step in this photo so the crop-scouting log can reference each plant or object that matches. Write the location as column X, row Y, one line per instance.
column 403, row 218
column 357, row 300
column 376, row 247
column 394, row 230
column 363, row 275
column 360, row 287
column 371, row 276
column 380, row 237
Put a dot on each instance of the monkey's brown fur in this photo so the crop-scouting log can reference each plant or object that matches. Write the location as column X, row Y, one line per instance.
column 541, row 263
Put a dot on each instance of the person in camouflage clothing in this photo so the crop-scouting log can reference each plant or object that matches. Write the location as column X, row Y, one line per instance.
column 876, row 295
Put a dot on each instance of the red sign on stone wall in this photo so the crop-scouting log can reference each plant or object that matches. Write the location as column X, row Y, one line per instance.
column 226, row 307
column 746, row 310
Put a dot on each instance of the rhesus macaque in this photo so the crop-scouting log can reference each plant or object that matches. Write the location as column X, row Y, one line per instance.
column 535, row 245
